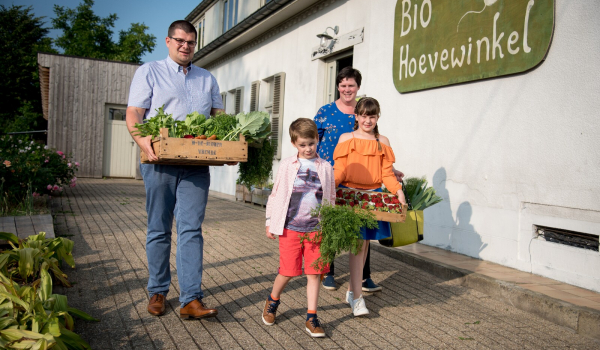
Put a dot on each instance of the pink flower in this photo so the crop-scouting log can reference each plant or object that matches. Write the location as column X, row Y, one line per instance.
column 49, row 187
column 76, row 163
column 63, row 156
column 72, row 184
column 60, row 153
column 46, row 161
column 35, row 194
column 55, row 188
column 60, row 189
column 74, row 179
column 69, row 165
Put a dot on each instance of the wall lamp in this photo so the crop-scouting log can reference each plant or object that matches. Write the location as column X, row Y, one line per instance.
column 324, row 36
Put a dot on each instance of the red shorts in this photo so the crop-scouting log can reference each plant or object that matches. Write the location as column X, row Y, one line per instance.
column 291, row 252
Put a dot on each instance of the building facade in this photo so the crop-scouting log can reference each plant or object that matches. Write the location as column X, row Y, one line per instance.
column 513, row 156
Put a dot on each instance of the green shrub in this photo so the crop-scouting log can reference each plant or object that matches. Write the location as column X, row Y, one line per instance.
column 30, row 168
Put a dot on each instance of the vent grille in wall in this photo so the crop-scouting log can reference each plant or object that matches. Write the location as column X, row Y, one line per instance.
column 572, row 238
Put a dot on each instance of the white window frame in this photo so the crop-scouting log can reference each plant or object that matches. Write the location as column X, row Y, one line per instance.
column 224, row 100
column 264, row 2
column 230, row 18
column 201, row 29
column 237, row 96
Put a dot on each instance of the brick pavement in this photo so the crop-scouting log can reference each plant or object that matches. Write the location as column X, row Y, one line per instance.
column 107, row 221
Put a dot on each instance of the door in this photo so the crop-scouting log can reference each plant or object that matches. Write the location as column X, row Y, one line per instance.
column 119, row 148
column 333, row 65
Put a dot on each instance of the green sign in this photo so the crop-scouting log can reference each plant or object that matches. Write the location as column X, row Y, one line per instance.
column 444, row 42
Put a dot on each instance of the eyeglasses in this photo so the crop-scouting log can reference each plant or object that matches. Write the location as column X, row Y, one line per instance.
column 180, row 42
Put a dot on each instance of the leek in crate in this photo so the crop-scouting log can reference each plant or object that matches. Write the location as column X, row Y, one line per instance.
column 419, row 197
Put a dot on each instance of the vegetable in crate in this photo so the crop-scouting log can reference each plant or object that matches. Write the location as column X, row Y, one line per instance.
column 255, row 126
column 339, row 231
column 220, row 125
column 192, row 125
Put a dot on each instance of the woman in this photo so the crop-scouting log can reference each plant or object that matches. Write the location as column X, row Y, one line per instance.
column 333, row 120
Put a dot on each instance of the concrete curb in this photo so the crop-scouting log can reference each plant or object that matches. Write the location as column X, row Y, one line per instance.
column 582, row 320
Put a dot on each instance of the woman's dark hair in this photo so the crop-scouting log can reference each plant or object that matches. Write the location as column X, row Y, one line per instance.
column 348, row 73
column 368, row 106
column 183, row 25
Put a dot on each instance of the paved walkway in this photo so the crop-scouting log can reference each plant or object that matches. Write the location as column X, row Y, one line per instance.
column 416, row 310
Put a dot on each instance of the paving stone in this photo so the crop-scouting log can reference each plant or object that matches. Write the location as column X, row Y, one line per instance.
column 415, row 310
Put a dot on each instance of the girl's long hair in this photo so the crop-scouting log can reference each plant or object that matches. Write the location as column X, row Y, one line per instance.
column 368, row 106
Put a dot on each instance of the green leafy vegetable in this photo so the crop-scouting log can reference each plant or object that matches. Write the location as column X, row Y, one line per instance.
column 339, row 231
column 220, row 125
column 255, row 126
column 420, row 196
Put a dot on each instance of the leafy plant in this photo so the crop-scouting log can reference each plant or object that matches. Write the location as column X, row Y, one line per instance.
column 419, row 195
column 255, row 126
column 32, row 317
column 259, row 167
column 24, row 262
column 339, row 231
column 221, row 125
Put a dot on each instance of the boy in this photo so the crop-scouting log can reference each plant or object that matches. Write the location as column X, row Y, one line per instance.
column 302, row 182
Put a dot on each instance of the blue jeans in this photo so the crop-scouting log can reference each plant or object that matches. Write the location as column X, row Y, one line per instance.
column 181, row 191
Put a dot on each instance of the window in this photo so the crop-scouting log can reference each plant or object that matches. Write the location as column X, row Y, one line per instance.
column 236, row 96
column 230, row 14
column 116, row 114
column 224, row 98
column 332, row 67
column 274, row 106
column 201, row 30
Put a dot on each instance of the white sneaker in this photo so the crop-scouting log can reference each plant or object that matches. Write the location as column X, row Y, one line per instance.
column 349, row 297
column 359, row 308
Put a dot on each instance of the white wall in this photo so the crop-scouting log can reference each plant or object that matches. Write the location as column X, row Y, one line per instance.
column 493, row 149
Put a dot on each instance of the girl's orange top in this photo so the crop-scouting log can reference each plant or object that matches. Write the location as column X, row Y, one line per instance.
column 360, row 164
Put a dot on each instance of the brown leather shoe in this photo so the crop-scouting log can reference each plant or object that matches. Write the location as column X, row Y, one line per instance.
column 197, row 309
column 269, row 312
column 313, row 327
column 156, row 305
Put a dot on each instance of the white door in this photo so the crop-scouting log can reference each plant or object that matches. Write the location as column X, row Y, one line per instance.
column 119, row 148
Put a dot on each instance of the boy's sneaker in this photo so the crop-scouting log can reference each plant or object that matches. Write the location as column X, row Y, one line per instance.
column 349, row 297
column 329, row 283
column 359, row 308
column 313, row 327
column 369, row 286
column 269, row 312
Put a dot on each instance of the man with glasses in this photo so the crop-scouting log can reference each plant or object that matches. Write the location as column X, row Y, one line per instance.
column 178, row 191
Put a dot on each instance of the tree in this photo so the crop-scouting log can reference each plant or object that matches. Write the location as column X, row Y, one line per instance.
column 87, row 35
column 22, row 35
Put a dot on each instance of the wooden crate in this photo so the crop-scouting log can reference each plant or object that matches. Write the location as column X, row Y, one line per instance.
column 391, row 217
column 180, row 151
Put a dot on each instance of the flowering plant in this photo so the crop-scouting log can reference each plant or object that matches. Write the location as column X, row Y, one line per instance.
column 29, row 167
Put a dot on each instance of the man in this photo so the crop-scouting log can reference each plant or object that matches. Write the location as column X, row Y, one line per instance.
column 174, row 190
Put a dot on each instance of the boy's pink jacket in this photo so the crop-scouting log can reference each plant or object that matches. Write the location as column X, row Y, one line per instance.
column 279, row 200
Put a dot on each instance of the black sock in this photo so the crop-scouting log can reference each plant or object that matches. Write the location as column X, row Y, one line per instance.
column 309, row 316
column 273, row 300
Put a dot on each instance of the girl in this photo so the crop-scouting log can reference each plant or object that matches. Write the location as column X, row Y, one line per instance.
column 363, row 160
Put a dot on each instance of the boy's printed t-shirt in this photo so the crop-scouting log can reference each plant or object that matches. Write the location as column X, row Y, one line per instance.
column 307, row 194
